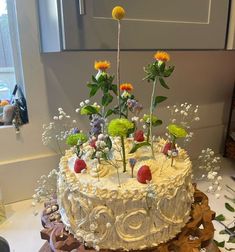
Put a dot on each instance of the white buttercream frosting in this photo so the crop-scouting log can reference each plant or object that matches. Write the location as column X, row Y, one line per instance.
column 111, row 213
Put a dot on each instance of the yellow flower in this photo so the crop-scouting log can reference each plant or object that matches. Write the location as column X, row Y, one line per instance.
column 118, row 13
column 126, row 87
column 102, row 65
column 162, row 56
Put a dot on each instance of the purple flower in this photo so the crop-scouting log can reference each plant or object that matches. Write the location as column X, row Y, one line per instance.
column 75, row 131
column 97, row 124
column 134, row 106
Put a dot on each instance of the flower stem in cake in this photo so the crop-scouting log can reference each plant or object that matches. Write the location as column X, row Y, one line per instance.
column 172, row 147
column 121, row 127
column 118, row 13
column 123, row 154
column 176, row 132
column 148, row 134
column 118, row 68
column 151, row 115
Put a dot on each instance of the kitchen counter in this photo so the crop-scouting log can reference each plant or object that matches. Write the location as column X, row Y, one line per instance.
column 22, row 227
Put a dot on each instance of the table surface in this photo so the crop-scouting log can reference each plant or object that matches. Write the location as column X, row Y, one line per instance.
column 22, row 227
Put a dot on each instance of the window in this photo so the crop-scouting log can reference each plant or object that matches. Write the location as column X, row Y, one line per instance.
column 10, row 60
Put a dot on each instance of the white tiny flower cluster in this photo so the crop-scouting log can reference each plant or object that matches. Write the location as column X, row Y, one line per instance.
column 101, row 146
column 62, row 115
column 47, row 187
column 85, row 103
column 209, row 164
column 57, row 131
column 184, row 115
column 151, row 190
column 151, row 194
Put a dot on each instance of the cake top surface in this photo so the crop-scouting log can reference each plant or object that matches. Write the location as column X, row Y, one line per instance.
column 103, row 177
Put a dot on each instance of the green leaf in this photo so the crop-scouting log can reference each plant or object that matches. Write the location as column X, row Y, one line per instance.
column 162, row 67
column 163, row 83
column 220, row 244
column 229, row 207
column 231, row 199
column 168, row 71
column 106, row 99
column 231, row 239
column 225, row 231
column 159, row 99
column 136, row 146
column 114, row 88
column 94, row 79
column 220, row 217
column 89, row 110
column 104, row 86
column 108, row 113
column 109, row 143
column 94, row 88
column 157, row 123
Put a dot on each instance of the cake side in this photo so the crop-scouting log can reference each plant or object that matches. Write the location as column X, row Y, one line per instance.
column 132, row 216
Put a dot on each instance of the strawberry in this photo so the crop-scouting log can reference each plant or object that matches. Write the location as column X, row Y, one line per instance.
column 144, row 174
column 166, row 148
column 139, row 136
column 79, row 165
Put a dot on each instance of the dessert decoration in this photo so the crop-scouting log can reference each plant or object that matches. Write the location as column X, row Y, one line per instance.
column 79, row 165
column 144, row 174
column 120, row 187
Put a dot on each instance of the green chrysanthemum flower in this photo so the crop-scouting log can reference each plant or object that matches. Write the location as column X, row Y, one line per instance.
column 177, row 131
column 73, row 139
column 90, row 110
column 120, row 127
column 155, row 120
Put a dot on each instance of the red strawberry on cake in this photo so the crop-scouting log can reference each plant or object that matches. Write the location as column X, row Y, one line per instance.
column 139, row 136
column 79, row 165
column 144, row 174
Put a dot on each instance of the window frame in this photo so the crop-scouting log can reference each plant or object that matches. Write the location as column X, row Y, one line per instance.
column 15, row 43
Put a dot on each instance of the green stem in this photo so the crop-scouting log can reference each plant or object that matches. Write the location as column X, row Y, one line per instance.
column 148, row 133
column 151, row 115
column 118, row 68
column 172, row 146
column 123, row 154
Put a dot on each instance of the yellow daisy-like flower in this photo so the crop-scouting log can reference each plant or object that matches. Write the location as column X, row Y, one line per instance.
column 126, row 87
column 118, row 13
column 162, row 56
column 102, row 65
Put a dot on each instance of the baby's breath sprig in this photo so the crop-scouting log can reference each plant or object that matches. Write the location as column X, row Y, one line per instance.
column 56, row 132
column 208, row 165
column 184, row 115
column 47, row 188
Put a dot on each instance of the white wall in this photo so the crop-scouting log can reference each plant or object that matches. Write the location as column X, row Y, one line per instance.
column 59, row 80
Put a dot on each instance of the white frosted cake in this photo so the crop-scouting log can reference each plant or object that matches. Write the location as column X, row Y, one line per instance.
column 119, row 188
column 131, row 215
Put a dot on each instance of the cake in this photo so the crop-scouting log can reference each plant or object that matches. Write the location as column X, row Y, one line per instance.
column 120, row 187
column 133, row 216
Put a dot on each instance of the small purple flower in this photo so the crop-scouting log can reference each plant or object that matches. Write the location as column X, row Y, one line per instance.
column 134, row 106
column 75, row 131
column 97, row 124
column 132, row 162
